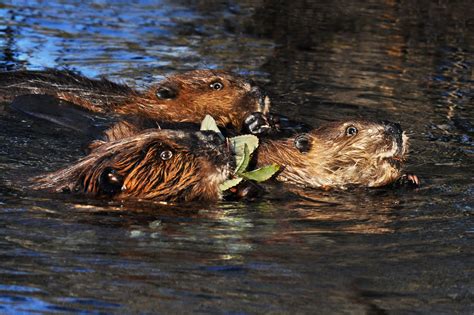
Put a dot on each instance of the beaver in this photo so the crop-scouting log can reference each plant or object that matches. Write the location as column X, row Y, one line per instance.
column 341, row 154
column 160, row 165
column 177, row 165
column 184, row 97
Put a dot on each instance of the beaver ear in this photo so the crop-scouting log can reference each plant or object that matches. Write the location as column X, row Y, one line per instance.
column 303, row 143
column 110, row 182
column 166, row 92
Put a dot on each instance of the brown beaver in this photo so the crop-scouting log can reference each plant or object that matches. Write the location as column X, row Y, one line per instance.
column 173, row 165
column 340, row 154
column 161, row 165
column 185, row 97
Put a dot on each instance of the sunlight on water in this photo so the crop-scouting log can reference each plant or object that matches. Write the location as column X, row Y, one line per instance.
column 296, row 250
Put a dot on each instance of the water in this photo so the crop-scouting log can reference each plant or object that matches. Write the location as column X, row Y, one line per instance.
column 362, row 252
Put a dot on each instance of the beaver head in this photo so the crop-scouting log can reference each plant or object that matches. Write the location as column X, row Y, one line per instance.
column 338, row 154
column 189, row 96
column 163, row 165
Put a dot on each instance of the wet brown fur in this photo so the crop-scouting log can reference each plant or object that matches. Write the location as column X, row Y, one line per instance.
column 193, row 173
column 194, row 95
column 371, row 158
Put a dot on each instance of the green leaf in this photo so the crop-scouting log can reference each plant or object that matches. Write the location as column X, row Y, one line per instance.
column 238, row 144
column 242, row 161
column 261, row 174
column 208, row 123
column 243, row 146
column 230, row 183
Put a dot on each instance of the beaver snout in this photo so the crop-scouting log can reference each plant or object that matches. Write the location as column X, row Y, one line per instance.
column 261, row 97
column 214, row 147
column 210, row 137
column 392, row 128
column 256, row 91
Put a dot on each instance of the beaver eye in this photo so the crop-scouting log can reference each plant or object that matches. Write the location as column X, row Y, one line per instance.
column 216, row 86
column 165, row 93
column 166, row 155
column 302, row 143
column 351, row 131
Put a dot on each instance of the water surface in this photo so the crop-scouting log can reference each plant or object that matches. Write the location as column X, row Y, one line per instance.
column 307, row 251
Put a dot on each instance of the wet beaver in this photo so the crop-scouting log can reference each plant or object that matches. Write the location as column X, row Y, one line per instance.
column 185, row 97
column 172, row 165
column 161, row 165
column 340, row 154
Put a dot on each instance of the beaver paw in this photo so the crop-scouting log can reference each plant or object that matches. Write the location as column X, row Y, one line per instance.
column 244, row 191
column 256, row 124
column 409, row 180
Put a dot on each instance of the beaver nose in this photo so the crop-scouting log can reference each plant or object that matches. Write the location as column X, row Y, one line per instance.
column 210, row 137
column 256, row 91
column 392, row 128
column 263, row 101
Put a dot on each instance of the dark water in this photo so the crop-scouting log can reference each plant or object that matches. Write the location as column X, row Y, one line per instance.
column 355, row 252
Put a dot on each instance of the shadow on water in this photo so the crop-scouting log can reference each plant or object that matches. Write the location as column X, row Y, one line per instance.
column 359, row 251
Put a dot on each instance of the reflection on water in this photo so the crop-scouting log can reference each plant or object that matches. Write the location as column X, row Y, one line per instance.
column 360, row 251
column 156, row 37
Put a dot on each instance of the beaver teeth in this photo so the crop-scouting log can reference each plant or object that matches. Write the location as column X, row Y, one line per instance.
column 399, row 150
column 267, row 103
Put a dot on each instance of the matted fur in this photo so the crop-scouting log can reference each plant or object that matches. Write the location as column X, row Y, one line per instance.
column 194, row 95
column 199, row 163
column 373, row 157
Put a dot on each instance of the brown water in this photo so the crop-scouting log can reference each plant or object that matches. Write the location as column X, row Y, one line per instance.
column 357, row 252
